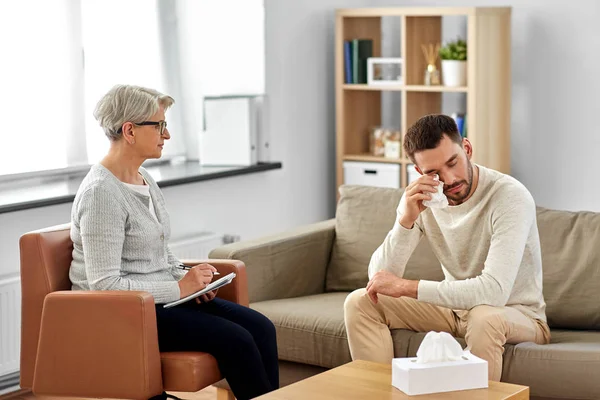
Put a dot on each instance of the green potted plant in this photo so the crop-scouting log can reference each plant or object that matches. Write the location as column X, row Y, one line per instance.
column 454, row 63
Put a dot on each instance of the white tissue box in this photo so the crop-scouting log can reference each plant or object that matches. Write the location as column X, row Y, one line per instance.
column 436, row 377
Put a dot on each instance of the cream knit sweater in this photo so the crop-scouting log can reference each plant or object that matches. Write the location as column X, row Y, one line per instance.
column 489, row 249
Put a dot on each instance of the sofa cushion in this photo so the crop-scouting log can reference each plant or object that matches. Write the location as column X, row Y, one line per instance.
column 566, row 368
column 364, row 216
column 571, row 264
column 310, row 329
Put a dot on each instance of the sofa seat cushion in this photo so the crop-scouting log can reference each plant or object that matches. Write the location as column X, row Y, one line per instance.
column 310, row 329
column 568, row 367
column 570, row 258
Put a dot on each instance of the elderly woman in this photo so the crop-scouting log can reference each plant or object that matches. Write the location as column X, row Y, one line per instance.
column 120, row 232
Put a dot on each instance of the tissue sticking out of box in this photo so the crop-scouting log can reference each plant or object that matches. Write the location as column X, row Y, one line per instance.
column 438, row 199
column 439, row 347
column 440, row 366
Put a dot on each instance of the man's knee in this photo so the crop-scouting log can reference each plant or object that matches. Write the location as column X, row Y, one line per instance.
column 354, row 302
column 485, row 321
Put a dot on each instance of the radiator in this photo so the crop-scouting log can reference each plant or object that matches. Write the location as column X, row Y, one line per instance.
column 197, row 246
column 10, row 324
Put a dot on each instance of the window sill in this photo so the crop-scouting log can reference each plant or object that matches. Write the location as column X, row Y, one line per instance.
column 47, row 191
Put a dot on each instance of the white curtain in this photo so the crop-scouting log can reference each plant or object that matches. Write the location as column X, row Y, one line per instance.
column 59, row 57
column 35, row 85
column 122, row 45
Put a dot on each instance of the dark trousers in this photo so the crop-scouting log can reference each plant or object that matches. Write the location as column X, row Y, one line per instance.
column 242, row 340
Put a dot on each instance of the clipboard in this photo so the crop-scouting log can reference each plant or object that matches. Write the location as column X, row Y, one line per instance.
column 226, row 280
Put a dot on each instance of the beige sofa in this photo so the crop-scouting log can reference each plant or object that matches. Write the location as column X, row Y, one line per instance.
column 299, row 279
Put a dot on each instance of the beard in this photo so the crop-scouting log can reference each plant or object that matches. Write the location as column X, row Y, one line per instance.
column 458, row 198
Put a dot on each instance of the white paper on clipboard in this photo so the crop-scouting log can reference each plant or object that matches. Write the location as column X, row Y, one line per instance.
column 226, row 280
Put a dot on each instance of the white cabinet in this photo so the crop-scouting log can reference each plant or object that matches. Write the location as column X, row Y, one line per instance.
column 372, row 174
column 412, row 173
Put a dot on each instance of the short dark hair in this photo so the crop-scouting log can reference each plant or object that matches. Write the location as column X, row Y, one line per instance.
column 427, row 134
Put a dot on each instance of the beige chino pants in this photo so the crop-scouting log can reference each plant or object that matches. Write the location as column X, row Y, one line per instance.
column 485, row 328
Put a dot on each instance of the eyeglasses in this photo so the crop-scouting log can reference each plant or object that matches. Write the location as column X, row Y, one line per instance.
column 161, row 124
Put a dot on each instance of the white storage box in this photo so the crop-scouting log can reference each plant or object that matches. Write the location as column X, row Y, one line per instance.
column 372, row 174
column 469, row 373
column 230, row 136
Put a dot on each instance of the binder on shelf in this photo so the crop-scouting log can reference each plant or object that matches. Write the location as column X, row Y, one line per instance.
column 231, row 131
column 460, row 120
column 347, row 62
column 356, row 54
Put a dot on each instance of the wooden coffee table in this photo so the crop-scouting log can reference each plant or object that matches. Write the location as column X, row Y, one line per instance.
column 369, row 380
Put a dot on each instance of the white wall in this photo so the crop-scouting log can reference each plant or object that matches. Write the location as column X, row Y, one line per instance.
column 555, row 134
column 299, row 83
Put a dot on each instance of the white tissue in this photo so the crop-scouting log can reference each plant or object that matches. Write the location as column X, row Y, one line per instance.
column 439, row 347
column 439, row 199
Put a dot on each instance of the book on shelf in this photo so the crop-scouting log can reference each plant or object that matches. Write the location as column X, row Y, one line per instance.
column 356, row 53
column 461, row 123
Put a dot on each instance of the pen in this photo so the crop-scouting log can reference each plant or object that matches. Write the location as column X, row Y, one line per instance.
column 186, row 267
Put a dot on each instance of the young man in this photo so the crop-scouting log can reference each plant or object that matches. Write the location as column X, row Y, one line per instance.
column 487, row 242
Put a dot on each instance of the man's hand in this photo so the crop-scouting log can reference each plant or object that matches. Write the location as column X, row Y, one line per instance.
column 386, row 283
column 416, row 192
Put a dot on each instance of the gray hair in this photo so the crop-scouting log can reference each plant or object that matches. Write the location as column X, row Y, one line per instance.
column 128, row 103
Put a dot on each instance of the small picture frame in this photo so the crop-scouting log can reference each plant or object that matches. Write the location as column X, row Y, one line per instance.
column 384, row 71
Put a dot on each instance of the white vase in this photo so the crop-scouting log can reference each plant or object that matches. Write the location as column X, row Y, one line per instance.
column 454, row 73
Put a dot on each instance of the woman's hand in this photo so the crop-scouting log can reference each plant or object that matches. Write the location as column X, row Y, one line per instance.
column 205, row 298
column 196, row 279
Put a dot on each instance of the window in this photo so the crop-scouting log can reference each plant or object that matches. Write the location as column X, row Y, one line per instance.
column 68, row 53
column 233, row 64
column 35, row 85
column 121, row 42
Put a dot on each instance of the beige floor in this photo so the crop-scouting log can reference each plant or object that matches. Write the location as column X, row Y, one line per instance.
column 210, row 393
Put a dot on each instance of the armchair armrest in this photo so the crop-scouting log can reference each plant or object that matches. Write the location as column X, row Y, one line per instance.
column 290, row 264
column 98, row 344
column 237, row 290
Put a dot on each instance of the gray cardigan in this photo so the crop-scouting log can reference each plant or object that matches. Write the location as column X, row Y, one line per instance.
column 117, row 243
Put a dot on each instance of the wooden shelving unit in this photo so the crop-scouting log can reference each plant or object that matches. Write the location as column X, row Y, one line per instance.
column 408, row 88
column 358, row 106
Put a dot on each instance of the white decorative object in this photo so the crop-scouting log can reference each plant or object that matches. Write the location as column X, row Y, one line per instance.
column 392, row 149
column 442, row 366
column 454, row 73
column 384, row 71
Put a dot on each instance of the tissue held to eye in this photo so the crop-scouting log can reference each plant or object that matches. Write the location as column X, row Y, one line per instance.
column 439, row 199
column 439, row 347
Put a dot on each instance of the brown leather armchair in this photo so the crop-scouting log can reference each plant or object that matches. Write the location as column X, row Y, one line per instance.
column 101, row 343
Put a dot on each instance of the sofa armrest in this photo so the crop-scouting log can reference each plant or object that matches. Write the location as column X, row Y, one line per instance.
column 290, row 264
column 237, row 290
column 101, row 344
